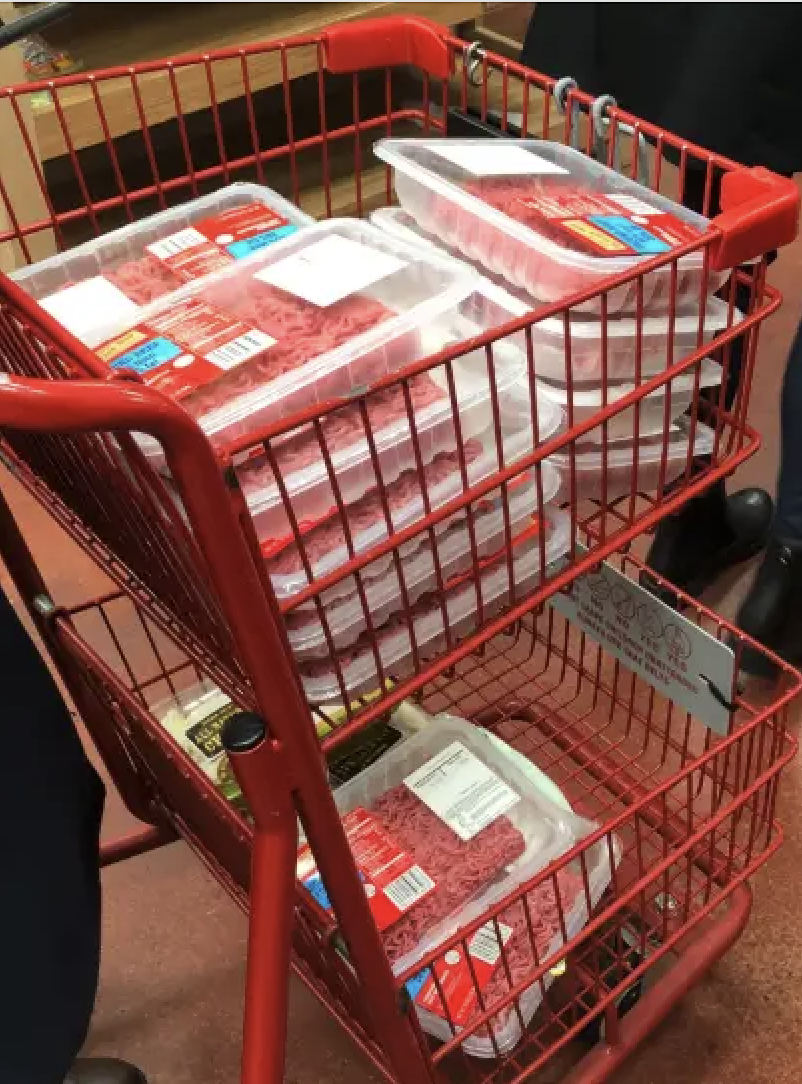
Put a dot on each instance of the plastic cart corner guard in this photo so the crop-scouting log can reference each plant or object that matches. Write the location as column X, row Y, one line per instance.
column 760, row 212
column 384, row 43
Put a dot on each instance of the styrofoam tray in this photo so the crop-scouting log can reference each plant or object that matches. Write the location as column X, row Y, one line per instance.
column 515, row 446
column 445, row 185
column 345, row 618
column 72, row 285
column 359, row 671
column 305, row 289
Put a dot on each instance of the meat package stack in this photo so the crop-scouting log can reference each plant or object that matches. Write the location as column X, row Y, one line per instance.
column 548, row 222
column 320, row 312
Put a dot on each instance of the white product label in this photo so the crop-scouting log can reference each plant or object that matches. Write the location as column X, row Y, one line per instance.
column 176, row 243
column 85, row 306
column 485, row 944
column 632, row 204
column 494, row 158
column 461, row 790
column 238, row 350
column 331, row 269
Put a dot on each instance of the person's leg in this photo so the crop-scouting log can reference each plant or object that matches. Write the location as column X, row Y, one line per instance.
column 769, row 613
column 51, row 801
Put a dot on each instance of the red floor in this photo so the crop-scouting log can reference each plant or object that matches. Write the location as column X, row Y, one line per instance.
column 171, row 989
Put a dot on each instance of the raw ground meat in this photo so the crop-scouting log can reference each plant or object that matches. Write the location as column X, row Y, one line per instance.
column 302, row 332
column 340, row 429
column 367, row 511
column 545, row 926
column 542, row 273
column 460, row 868
column 143, row 280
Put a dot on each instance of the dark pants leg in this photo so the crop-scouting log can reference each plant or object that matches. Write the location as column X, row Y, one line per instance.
column 788, row 517
column 51, row 802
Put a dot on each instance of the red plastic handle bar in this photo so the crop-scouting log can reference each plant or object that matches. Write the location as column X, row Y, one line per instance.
column 760, row 213
column 388, row 43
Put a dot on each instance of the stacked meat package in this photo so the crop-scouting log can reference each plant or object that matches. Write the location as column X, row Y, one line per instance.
column 548, row 222
column 328, row 313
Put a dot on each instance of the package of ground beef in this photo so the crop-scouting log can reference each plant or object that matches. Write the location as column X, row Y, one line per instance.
column 363, row 444
column 410, row 638
column 659, row 339
column 325, row 544
column 112, row 277
column 333, row 308
column 442, row 828
column 448, row 1006
column 547, row 218
column 452, row 554
column 462, row 819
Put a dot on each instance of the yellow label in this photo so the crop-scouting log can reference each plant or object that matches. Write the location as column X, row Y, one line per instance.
column 119, row 345
column 598, row 237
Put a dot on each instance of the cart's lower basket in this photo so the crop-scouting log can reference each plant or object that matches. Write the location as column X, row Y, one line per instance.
column 686, row 816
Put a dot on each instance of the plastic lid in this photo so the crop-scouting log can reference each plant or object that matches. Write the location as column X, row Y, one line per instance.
column 621, row 453
column 345, row 618
column 410, row 509
column 331, row 308
column 419, row 776
column 492, row 179
column 394, row 644
column 593, row 398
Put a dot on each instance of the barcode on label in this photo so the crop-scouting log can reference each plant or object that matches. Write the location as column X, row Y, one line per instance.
column 485, row 944
column 409, row 888
column 177, row 242
column 634, row 205
column 239, row 350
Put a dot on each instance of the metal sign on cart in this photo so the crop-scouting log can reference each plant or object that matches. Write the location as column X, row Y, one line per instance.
column 676, row 656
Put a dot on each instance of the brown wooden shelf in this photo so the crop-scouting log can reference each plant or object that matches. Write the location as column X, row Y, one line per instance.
column 111, row 35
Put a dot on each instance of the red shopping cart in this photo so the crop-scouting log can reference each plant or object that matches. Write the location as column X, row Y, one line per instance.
column 683, row 815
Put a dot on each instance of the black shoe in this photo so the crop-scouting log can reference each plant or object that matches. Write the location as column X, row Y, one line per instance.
column 770, row 611
column 104, row 1071
column 710, row 534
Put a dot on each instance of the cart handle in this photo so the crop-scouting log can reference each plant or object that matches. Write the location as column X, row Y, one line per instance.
column 387, row 43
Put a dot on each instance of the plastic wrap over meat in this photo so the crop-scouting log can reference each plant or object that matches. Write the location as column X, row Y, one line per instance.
column 460, row 868
column 144, row 280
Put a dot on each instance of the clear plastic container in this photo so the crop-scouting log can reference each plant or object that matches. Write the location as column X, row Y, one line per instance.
column 619, row 467
column 545, row 217
column 358, row 665
column 112, row 276
column 309, row 486
column 588, row 401
column 586, row 338
column 326, row 547
column 332, row 308
column 345, row 617
column 536, row 830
